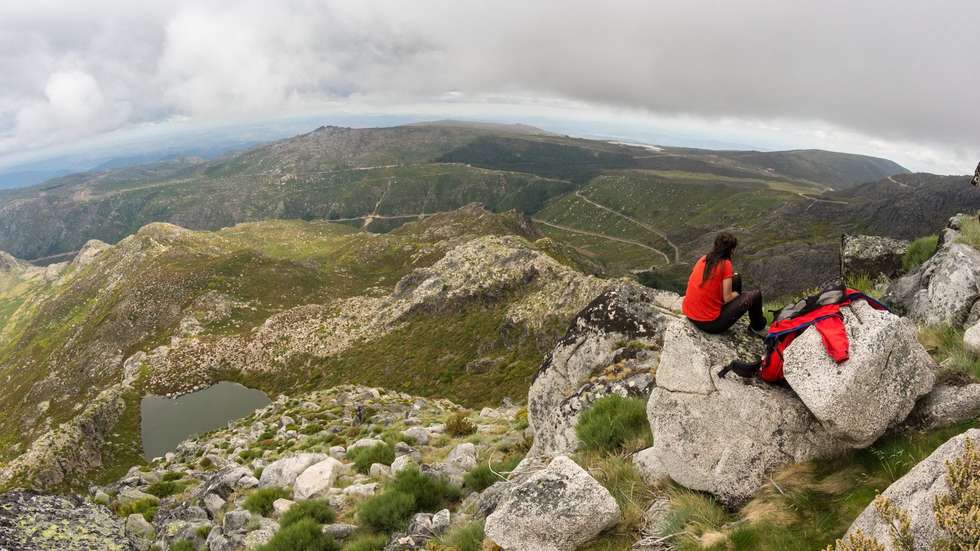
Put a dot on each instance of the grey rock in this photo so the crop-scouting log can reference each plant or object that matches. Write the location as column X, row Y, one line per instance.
column 490, row 498
column 944, row 289
column 947, row 405
column 213, row 503
column 280, row 506
column 338, row 452
column 339, row 530
column 420, row 525
column 626, row 311
column 871, row 255
column 462, row 458
column 258, row 538
column 915, row 493
column 361, row 490
column 316, row 479
column 365, row 443
column 440, row 522
column 723, row 436
column 283, row 472
column 379, row 470
column 130, row 495
column 401, row 463
column 556, row 509
column 419, row 434
column 138, row 528
column 236, row 521
column 971, row 338
column 876, row 388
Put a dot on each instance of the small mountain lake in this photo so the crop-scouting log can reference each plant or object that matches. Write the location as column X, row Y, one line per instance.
column 168, row 421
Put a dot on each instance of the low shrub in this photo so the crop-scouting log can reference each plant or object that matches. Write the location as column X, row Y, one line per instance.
column 367, row 542
column 613, row 421
column 260, row 501
column 430, row 493
column 408, row 493
column 459, row 424
column 366, row 456
column 303, row 535
column 316, row 510
column 484, row 476
column 387, row 512
column 171, row 476
column 919, row 251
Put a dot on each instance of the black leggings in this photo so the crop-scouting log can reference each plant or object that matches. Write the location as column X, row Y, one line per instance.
column 749, row 301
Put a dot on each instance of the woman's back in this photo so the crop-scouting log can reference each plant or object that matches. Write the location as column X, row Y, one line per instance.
column 704, row 299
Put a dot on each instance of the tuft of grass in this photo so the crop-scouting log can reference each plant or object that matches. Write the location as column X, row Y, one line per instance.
column 164, row 488
column 945, row 345
column 260, row 501
column 387, row 512
column 459, row 424
column 303, row 535
column 468, row 537
column 969, row 232
column 182, row 545
column 172, row 476
column 617, row 474
column 145, row 507
column 316, row 510
column 612, row 422
column 367, row 542
column 696, row 518
column 919, row 251
column 484, row 475
column 364, row 457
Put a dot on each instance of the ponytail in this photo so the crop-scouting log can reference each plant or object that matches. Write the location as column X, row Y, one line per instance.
column 725, row 245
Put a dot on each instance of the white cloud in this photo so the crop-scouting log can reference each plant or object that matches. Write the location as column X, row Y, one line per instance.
column 898, row 72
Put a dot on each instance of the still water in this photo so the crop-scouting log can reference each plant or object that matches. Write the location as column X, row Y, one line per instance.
column 166, row 422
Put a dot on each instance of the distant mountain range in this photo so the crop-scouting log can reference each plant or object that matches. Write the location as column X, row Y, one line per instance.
column 628, row 208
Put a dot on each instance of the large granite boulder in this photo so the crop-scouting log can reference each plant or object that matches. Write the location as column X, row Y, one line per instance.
column 871, row 255
column 947, row 405
column 570, row 378
column 556, row 509
column 876, row 388
column 944, row 288
column 283, row 472
column 31, row 521
column 915, row 495
column 317, row 479
column 723, row 436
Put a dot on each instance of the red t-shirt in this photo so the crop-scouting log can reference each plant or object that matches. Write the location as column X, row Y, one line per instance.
column 704, row 302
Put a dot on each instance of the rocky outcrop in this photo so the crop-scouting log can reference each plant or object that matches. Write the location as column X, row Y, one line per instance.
column 723, row 436
column 556, row 509
column 947, row 405
column 38, row 522
column 610, row 348
column 876, row 388
column 71, row 450
column 91, row 249
column 871, row 255
column 942, row 290
column 915, row 494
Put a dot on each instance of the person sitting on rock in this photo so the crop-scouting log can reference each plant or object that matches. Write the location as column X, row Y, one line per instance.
column 714, row 299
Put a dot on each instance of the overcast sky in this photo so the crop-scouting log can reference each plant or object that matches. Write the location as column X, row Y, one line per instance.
column 899, row 79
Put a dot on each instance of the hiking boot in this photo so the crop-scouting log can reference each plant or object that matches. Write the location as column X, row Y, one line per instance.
column 761, row 333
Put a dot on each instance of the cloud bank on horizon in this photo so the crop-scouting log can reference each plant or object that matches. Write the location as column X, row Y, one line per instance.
column 900, row 78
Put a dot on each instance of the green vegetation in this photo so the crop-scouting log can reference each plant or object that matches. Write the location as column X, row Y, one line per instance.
column 314, row 509
column 612, row 422
column 617, row 474
column 468, row 537
column 260, row 501
column 813, row 505
column 146, row 507
column 945, row 344
column 957, row 512
column 969, row 231
column 367, row 542
column 182, row 545
column 459, row 424
column 484, row 476
column 302, row 535
column 919, row 251
column 365, row 456
column 408, row 493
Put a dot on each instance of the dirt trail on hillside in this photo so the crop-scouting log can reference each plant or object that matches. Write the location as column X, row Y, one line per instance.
column 647, row 227
column 602, row 236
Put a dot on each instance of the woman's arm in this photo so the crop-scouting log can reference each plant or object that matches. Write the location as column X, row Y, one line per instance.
column 727, row 294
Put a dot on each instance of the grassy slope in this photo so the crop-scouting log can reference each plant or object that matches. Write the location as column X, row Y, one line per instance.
column 64, row 344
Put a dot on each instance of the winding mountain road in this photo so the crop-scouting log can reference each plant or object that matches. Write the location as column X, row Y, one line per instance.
column 647, row 227
column 602, row 236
